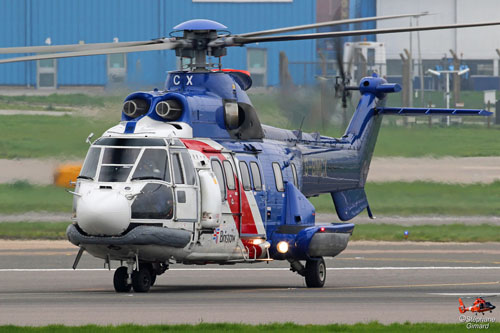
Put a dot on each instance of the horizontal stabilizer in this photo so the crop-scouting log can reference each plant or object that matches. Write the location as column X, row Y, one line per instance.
column 432, row 112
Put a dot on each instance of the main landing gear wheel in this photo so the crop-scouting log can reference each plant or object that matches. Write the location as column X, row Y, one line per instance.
column 141, row 280
column 120, row 280
column 152, row 272
column 315, row 273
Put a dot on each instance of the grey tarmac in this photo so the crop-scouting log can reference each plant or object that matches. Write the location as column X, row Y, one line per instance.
column 384, row 281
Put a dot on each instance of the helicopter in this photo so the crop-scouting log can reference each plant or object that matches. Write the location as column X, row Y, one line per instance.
column 479, row 306
column 191, row 176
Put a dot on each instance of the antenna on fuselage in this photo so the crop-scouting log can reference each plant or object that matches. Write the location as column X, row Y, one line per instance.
column 299, row 133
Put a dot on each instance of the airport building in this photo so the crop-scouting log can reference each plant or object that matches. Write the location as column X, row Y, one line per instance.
column 55, row 22
column 476, row 48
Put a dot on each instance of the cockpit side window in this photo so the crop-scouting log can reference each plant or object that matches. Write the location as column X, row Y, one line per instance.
column 155, row 202
column 219, row 174
column 90, row 165
column 188, row 168
column 177, row 167
column 153, row 165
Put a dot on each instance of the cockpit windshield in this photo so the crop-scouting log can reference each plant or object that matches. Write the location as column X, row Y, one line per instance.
column 152, row 165
column 117, row 164
column 120, row 163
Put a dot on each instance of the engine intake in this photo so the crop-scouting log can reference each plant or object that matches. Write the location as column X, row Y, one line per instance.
column 169, row 110
column 135, row 108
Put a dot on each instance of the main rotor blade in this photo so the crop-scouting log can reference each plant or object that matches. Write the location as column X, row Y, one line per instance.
column 70, row 47
column 140, row 48
column 328, row 24
column 238, row 41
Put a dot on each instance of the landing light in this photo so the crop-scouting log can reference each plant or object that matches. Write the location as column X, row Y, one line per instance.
column 257, row 241
column 322, row 229
column 282, row 247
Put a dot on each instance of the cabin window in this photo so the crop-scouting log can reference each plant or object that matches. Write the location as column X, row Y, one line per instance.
column 228, row 168
column 219, row 174
column 245, row 176
column 278, row 177
column 295, row 178
column 177, row 166
column 257, row 182
column 153, row 165
column 90, row 165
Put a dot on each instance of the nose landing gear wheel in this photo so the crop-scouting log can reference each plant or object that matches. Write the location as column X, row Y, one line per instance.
column 315, row 273
column 120, row 280
column 141, row 280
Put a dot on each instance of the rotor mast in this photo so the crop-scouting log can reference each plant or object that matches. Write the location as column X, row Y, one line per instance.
column 197, row 35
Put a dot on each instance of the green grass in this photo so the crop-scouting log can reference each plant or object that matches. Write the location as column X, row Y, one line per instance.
column 26, row 136
column 74, row 100
column 226, row 327
column 23, row 197
column 437, row 141
column 428, row 233
column 33, row 230
column 424, row 198
column 377, row 232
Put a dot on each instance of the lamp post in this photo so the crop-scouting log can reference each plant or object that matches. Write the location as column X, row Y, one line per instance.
column 438, row 73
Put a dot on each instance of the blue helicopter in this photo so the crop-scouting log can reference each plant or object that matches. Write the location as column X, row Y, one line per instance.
column 191, row 176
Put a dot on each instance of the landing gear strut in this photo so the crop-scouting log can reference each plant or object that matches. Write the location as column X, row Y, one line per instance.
column 314, row 271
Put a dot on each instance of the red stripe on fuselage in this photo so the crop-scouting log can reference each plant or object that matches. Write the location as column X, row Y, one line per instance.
column 247, row 220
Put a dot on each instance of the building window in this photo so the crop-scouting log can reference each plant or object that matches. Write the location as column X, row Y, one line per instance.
column 257, row 66
column 117, row 67
column 47, row 73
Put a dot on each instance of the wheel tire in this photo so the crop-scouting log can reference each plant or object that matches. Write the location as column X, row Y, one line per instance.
column 152, row 272
column 141, row 280
column 120, row 280
column 315, row 273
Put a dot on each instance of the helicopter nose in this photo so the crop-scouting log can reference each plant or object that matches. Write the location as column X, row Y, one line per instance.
column 103, row 212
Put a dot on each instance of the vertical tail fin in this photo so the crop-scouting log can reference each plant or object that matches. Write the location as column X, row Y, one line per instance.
column 461, row 308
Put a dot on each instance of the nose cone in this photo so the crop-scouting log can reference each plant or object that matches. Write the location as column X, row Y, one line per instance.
column 103, row 212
